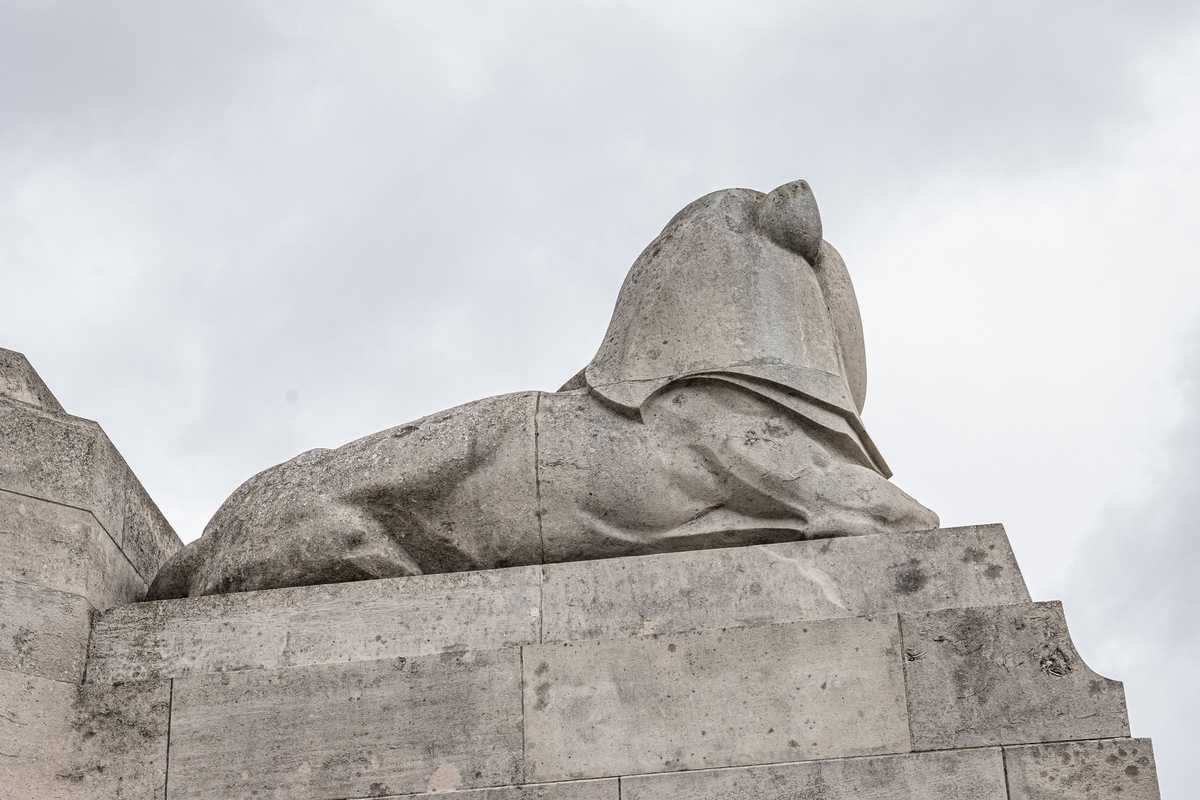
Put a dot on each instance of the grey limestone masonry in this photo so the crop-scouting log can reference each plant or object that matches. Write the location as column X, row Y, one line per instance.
column 900, row 666
column 20, row 382
column 608, row 789
column 714, row 698
column 954, row 775
column 43, row 632
column 318, row 625
column 78, row 534
column 63, row 548
column 820, row 579
column 668, row 593
column 372, row 728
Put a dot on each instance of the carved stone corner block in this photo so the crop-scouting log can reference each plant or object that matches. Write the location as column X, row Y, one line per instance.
column 1003, row 675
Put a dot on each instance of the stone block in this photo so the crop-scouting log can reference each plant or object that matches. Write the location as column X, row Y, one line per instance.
column 43, row 632
column 695, row 700
column 119, row 740
column 369, row 729
column 66, row 742
column 764, row 584
column 318, row 625
column 68, row 460
column 1086, row 770
column 569, row 790
column 64, row 460
column 64, row 548
column 19, row 381
column 147, row 539
column 1003, row 675
column 35, row 715
column 953, row 775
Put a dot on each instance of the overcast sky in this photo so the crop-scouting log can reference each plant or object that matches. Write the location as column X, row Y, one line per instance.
column 231, row 232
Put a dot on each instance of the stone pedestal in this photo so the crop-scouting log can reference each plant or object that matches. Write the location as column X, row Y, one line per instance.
column 902, row 666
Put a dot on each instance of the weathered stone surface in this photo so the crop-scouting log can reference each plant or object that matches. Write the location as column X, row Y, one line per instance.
column 64, row 460
column 20, row 382
column 821, row 579
column 568, row 790
column 368, row 729
column 147, row 539
column 119, row 742
column 43, row 632
column 64, row 548
column 35, row 715
column 956, row 775
column 681, row 701
column 1003, row 675
column 1087, row 770
column 609, row 598
column 67, row 742
column 318, row 625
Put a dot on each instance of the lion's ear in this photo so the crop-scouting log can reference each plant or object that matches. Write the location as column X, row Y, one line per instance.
column 789, row 217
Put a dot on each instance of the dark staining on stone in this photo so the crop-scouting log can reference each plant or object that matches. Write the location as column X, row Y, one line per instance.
column 671, row 648
column 777, row 431
column 1056, row 663
column 910, row 578
column 542, row 669
column 23, row 641
column 1132, row 771
column 543, row 696
column 380, row 790
column 993, row 571
column 973, row 555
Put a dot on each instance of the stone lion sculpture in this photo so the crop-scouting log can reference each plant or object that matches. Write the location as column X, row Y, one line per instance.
column 721, row 409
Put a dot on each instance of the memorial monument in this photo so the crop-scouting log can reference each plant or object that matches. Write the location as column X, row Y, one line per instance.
column 684, row 574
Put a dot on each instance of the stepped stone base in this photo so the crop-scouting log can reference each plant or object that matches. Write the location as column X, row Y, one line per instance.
column 902, row 666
